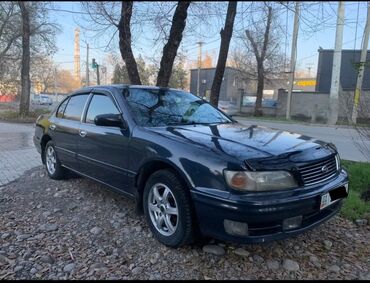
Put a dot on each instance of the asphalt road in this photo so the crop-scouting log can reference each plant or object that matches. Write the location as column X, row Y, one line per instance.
column 18, row 154
column 349, row 143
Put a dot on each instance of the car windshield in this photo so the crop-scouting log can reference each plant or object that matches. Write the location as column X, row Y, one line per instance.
column 167, row 107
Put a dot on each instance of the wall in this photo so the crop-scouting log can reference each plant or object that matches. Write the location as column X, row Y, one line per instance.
column 346, row 104
column 229, row 88
column 266, row 111
column 306, row 105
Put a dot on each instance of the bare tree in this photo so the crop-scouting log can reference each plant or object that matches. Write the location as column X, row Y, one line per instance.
column 25, row 33
column 10, row 41
column 259, row 51
column 42, row 70
column 106, row 20
column 25, row 72
column 226, row 34
column 124, row 28
column 173, row 43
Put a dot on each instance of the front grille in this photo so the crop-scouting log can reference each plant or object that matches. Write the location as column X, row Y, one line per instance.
column 320, row 171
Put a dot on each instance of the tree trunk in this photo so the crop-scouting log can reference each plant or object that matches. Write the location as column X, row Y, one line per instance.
column 24, row 104
column 260, row 58
column 260, row 87
column 173, row 43
column 226, row 34
column 124, row 28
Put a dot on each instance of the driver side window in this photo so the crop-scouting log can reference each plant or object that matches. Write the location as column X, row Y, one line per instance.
column 100, row 104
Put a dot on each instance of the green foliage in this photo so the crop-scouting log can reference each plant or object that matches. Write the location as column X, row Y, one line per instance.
column 359, row 182
column 145, row 71
column 179, row 74
column 120, row 75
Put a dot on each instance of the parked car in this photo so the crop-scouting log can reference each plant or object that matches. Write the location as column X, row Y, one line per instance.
column 228, row 107
column 251, row 101
column 190, row 168
column 43, row 99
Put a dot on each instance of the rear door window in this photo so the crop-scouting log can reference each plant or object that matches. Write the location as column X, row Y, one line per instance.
column 75, row 107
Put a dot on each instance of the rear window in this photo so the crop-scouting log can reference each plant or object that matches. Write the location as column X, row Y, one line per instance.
column 75, row 107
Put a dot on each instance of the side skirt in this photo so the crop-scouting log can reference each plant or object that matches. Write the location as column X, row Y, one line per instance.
column 126, row 194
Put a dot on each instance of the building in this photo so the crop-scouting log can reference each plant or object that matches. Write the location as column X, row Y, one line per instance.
column 315, row 105
column 272, row 86
column 239, row 90
column 232, row 87
column 348, row 70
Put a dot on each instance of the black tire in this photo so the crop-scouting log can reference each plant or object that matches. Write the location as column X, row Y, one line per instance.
column 184, row 232
column 60, row 172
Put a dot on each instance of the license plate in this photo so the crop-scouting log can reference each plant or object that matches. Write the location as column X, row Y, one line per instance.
column 333, row 196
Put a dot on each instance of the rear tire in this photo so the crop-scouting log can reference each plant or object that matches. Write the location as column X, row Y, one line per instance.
column 168, row 210
column 52, row 163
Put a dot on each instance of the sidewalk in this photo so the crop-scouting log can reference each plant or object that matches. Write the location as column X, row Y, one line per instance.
column 347, row 140
column 17, row 152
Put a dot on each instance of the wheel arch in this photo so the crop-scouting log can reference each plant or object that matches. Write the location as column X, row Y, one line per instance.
column 44, row 140
column 147, row 170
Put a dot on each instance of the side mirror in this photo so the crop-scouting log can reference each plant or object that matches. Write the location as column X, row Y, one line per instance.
column 110, row 120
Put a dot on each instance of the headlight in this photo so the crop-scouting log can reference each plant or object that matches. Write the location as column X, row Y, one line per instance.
column 337, row 159
column 259, row 181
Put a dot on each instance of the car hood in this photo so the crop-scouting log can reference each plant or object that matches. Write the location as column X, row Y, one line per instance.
column 250, row 142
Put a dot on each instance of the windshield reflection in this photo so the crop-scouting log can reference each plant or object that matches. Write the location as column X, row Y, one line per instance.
column 167, row 107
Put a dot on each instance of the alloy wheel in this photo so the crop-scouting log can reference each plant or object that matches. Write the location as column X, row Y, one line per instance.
column 163, row 209
column 51, row 160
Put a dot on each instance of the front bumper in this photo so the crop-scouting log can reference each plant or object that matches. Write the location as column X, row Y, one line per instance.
column 264, row 212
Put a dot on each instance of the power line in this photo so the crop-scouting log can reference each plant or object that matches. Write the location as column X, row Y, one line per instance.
column 138, row 13
column 66, row 11
column 315, row 54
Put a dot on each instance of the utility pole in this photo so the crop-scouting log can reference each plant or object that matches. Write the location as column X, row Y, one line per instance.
column 104, row 73
column 97, row 74
column 335, row 76
column 361, row 69
column 55, row 84
column 200, row 43
column 96, row 66
column 293, row 57
column 309, row 67
column 87, row 66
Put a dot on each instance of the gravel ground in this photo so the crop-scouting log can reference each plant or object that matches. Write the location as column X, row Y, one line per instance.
column 77, row 229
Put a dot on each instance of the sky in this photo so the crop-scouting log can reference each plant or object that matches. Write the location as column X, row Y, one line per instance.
column 307, row 46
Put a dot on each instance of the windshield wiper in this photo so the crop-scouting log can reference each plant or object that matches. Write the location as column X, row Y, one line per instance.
column 192, row 123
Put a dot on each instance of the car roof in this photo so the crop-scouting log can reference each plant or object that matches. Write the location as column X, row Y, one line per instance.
column 121, row 86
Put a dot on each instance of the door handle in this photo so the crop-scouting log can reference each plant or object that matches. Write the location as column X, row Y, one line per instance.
column 83, row 133
column 52, row 127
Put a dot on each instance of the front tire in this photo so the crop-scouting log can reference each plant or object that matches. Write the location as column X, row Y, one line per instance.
column 53, row 166
column 168, row 210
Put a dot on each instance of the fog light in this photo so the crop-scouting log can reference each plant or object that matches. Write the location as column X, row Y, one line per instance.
column 236, row 228
column 292, row 223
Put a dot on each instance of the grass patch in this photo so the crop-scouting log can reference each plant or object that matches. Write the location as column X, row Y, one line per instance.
column 355, row 207
column 13, row 116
